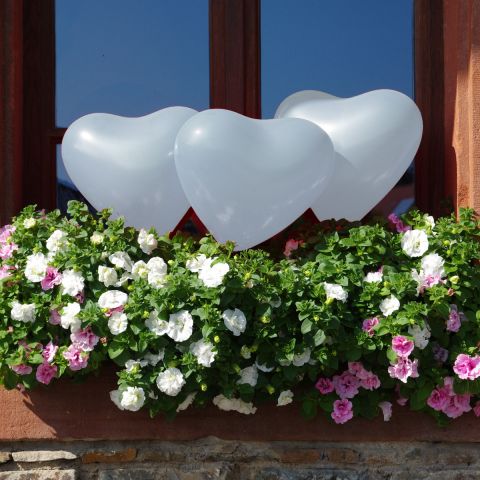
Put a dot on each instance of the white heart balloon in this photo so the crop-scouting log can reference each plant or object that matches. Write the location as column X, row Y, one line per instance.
column 375, row 135
column 128, row 164
column 249, row 179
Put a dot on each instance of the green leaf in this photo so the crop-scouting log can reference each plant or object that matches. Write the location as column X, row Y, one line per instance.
column 319, row 338
column 306, row 326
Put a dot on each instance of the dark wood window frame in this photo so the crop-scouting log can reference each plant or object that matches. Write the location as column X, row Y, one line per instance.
column 27, row 126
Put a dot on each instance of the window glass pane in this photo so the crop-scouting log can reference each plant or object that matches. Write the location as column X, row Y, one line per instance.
column 342, row 47
column 130, row 57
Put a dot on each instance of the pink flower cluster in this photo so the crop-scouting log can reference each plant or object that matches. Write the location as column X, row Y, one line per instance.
column 444, row 399
column 369, row 324
column 346, row 386
column 77, row 353
column 349, row 382
column 5, row 271
column 403, row 368
column 6, row 247
column 455, row 319
column 398, row 224
column 466, row 367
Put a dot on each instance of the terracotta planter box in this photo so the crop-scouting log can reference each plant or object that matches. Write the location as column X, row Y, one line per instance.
column 66, row 411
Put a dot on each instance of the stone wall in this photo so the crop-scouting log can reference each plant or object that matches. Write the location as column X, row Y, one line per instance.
column 212, row 458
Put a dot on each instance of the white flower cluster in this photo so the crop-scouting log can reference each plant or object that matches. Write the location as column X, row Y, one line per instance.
column 23, row 312
column 389, row 305
column 203, row 351
column 170, row 381
column 414, row 243
column 69, row 317
column 147, row 241
column 57, row 242
column 72, row 283
column 36, row 267
column 421, row 336
column 211, row 274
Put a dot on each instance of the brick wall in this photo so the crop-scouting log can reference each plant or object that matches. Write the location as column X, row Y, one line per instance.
column 212, row 458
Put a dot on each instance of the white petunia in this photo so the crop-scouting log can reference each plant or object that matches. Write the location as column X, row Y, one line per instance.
column 23, row 312
column 180, row 326
column 97, row 238
column 204, row 352
column 126, row 276
column 285, row 398
column 245, row 352
column 147, row 241
column 235, row 321
column 420, row 335
column 57, row 242
column 69, row 317
column 301, row 359
column 212, row 276
column 157, row 272
column 112, row 299
column 121, row 260
column 36, row 267
column 373, row 277
column 134, row 365
column 108, row 276
column 414, row 243
column 248, row 375
column 335, row 291
column 153, row 358
column 196, row 264
column 389, row 305
column 139, row 270
column 132, row 398
column 432, row 265
column 116, row 397
column 234, row 404
column 117, row 323
column 429, row 220
column 170, row 381
column 158, row 326
column 187, row 402
column 72, row 283
column 29, row 223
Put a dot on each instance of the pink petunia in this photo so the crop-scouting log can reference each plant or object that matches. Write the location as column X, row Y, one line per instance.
column 342, row 411
column 324, row 386
column 476, row 409
column 466, row 367
column 84, row 339
column 55, row 317
column 402, row 346
column 49, row 352
column 398, row 224
column 111, row 311
column 369, row 325
column 370, row 381
column 6, row 250
column 346, row 385
column 77, row 358
column 45, row 373
column 455, row 318
column 5, row 271
column 6, row 232
column 386, row 408
column 291, row 245
column 458, row 405
column 403, row 369
column 439, row 399
column 22, row 369
column 52, row 277
column 440, row 354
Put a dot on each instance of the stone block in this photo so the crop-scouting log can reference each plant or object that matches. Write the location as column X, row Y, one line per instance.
column 39, row 475
column 31, row 456
column 120, row 456
column 5, row 457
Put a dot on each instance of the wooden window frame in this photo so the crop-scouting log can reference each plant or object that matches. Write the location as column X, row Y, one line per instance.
column 28, row 133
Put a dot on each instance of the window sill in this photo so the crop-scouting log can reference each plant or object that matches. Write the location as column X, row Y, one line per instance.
column 67, row 411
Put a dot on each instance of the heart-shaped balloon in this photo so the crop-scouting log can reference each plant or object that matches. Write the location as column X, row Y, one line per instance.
column 128, row 164
column 249, row 179
column 375, row 135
